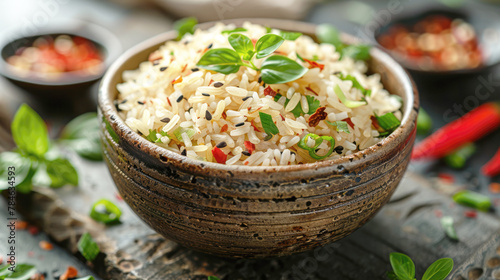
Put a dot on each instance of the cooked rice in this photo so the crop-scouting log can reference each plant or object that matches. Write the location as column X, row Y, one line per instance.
column 180, row 100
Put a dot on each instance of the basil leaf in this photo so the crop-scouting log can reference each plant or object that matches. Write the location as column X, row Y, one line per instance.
column 267, row 44
column 4, row 270
column 82, row 136
column 268, row 124
column 87, row 247
column 449, row 229
column 30, row 132
column 403, row 266
column 439, row 270
column 392, row 276
column 22, row 272
column 185, row 25
column 311, row 101
column 329, row 34
column 388, row 122
column 280, row 69
column 242, row 45
column 61, row 172
column 356, row 84
column 357, row 52
column 238, row 29
column 292, row 36
column 106, row 212
column 341, row 126
column 22, row 167
column 348, row 103
column 225, row 61
column 269, row 29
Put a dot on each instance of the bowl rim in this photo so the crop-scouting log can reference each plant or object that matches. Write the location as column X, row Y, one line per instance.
column 110, row 44
column 109, row 112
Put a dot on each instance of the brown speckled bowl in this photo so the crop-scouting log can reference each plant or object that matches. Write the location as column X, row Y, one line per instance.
column 254, row 212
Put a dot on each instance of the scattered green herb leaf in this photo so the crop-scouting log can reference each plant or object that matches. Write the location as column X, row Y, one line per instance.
column 329, row 34
column 439, row 269
column 341, row 126
column 21, row 272
column 61, row 172
column 267, row 44
column 356, row 84
column 22, row 167
column 473, row 199
column 343, row 99
column 87, row 247
column 106, row 212
column 237, row 29
column 424, row 122
column 356, row 52
column 458, row 158
column 223, row 60
column 82, row 136
column 268, row 124
column 280, row 69
column 30, row 132
column 184, row 26
column 403, row 266
column 291, row 36
column 449, row 229
column 242, row 45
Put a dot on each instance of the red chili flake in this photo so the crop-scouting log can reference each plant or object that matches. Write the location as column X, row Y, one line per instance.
column 224, row 128
column 438, row 213
column 184, row 68
column 446, row 177
column 168, row 100
column 375, row 124
column 470, row 214
column 256, row 110
column 45, row 245
column 71, row 272
column 118, row 197
column 21, row 225
column 33, row 230
column 177, row 80
column 494, row 187
column 314, row 64
column 211, row 81
column 246, row 162
column 250, row 146
column 254, row 41
column 348, row 121
column 254, row 127
column 219, row 155
column 282, row 118
column 311, row 90
column 269, row 91
column 156, row 55
column 318, row 116
column 224, row 115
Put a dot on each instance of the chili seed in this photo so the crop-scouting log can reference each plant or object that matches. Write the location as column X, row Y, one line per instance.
column 246, row 98
column 163, row 68
column 179, row 99
column 195, row 69
column 218, row 84
column 184, row 152
column 165, row 120
column 221, row 145
column 140, row 102
column 246, row 153
column 205, row 94
column 239, row 124
column 210, row 46
column 208, row 116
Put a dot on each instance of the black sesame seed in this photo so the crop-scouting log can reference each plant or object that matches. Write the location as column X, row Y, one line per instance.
column 246, row 98
column 260, row 80
column 184, row 152
column 246, row 153
column 117, row 107
column 205, row 94
column 163, row 68
column 218, row 84
column 264, row 84
column 165, row 120
column 186, row 42
column 240, row 124
column 339, row 149
column 195, row 69
column 292, row 153
column 354, row 142
column 208, row 116
column 140, row 102
column 124, row 101
column 210, row 46
column 179, row 99
column 221, row 145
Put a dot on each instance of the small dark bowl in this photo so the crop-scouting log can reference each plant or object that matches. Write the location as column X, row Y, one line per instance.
column 254, row 212
column 68, row 84
column 484, row 22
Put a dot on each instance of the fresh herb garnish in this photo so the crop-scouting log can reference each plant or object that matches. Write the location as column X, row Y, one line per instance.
column 178, row 133
column 82, row 136
column 341, row 126
column 33, row 160
column 329, row 34
column 317, row 141
column 106, row 212
column 291, row 36
column 449, row 229
column 356, row 84
column 238, row 29
column 274, row 70
column 473, row 199
column 153, row 136
column 87, row 247
column 388, row 122
column 185, row 25
column 297, row 111
column 345, row 101
column 268, row 124
column 404, row 268
column 21, row 272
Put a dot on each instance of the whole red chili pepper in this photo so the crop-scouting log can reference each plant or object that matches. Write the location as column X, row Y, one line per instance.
column 492, row 167
column 469, row 128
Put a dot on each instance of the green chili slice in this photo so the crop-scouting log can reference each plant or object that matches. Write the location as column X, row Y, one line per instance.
column 318, row 140
column 106, row 212
column 473, row 199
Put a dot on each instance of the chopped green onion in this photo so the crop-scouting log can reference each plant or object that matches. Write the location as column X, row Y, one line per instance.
column 424, row 122
column 268, row 124
column 341, row 126
column 317, row 141
column 356, row 84
column 473, row 199
column 178, row 133
column 458, row 158
column 343, row 99
column 449, row 229
column 238, row 29
column 388, row 122
column 106, row 212
column 87, row 247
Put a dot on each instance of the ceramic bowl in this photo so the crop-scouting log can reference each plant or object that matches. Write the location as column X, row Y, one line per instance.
column 254, row 212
